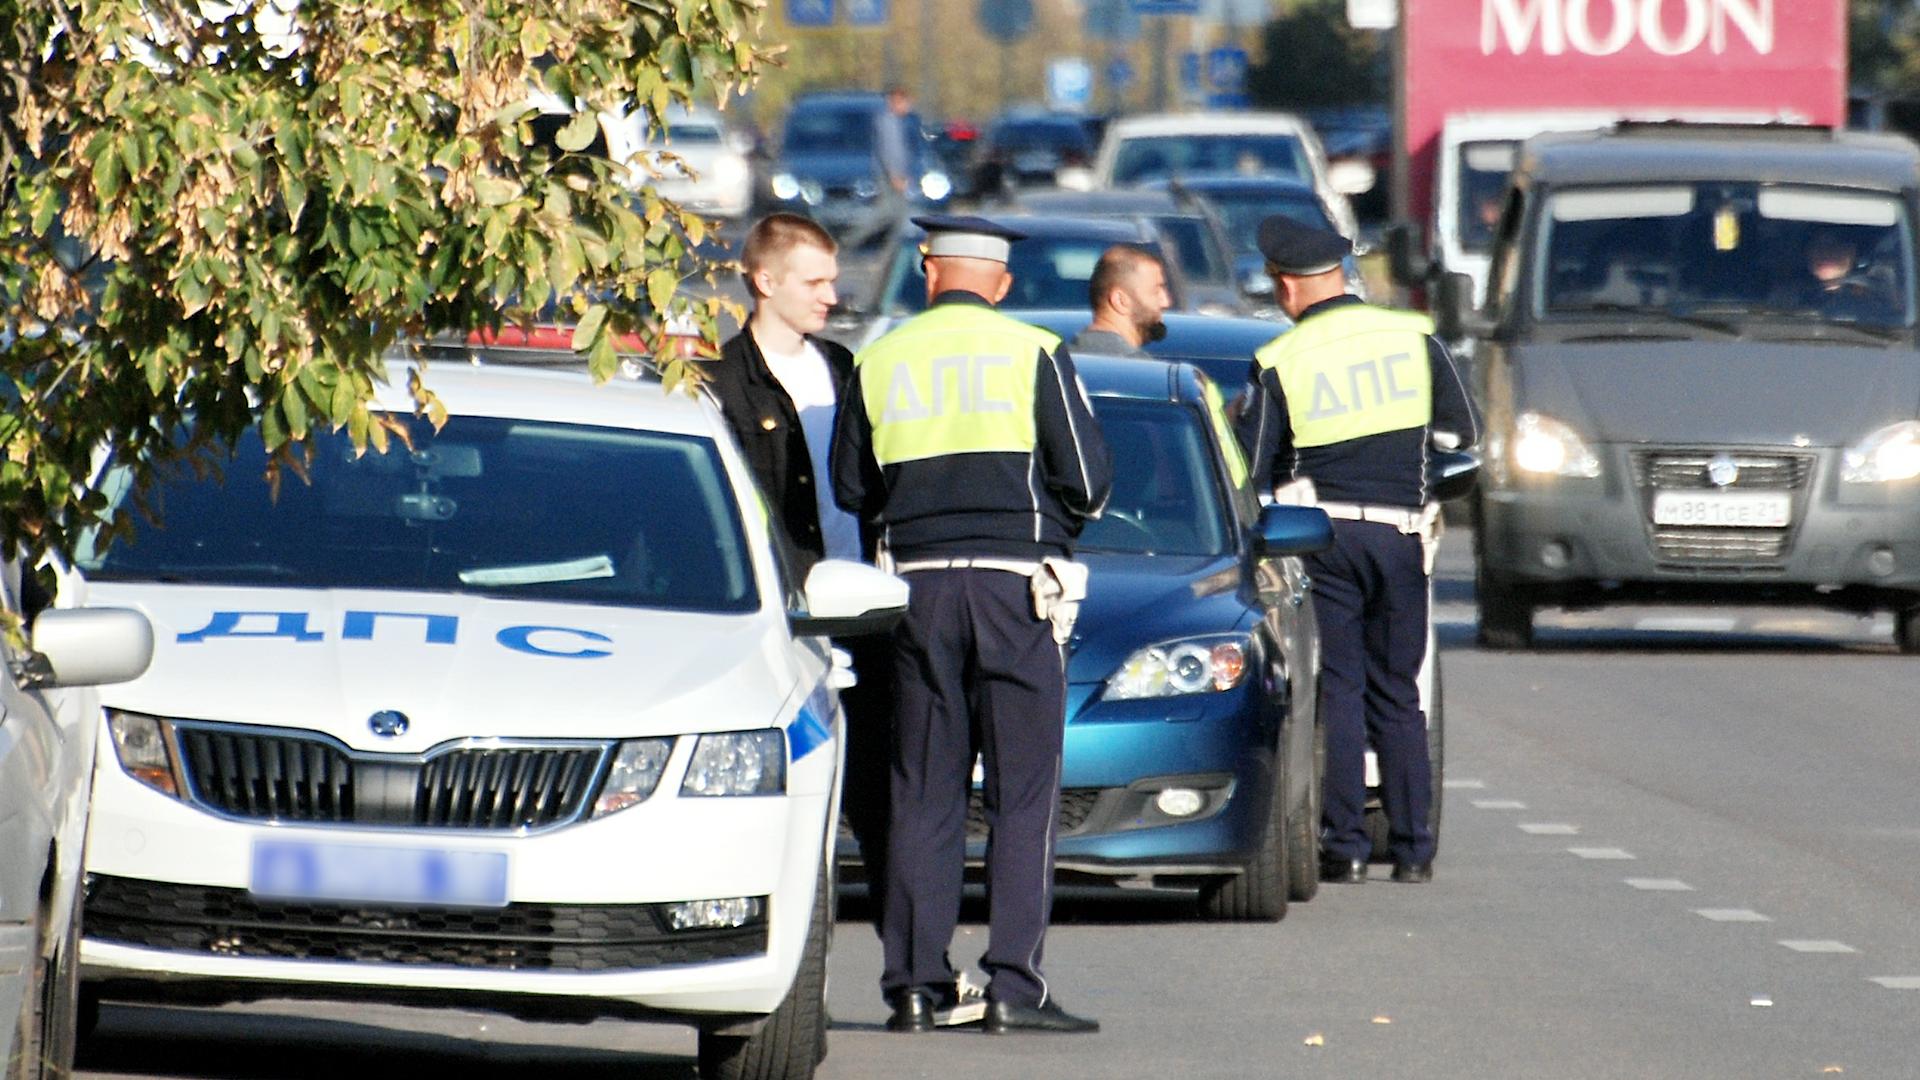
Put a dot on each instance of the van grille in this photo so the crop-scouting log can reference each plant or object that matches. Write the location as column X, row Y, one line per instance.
column 1687, row 470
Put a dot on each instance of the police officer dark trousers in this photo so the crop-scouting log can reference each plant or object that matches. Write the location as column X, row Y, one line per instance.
column 965, row 436
column 1341, row 414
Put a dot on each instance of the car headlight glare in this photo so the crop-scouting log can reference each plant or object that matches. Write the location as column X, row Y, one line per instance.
column 1886, row 456
column 1545, row 446
column 936, row 186
column 1195, row 666
column 738, row 763
column 140, row 742
column 786, row 186
column 635, row 773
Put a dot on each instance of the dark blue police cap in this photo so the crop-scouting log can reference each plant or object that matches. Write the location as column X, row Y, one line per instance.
column 1297, row 248
column 967, row 237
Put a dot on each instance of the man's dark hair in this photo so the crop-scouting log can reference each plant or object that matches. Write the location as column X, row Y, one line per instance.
column 1116, row 264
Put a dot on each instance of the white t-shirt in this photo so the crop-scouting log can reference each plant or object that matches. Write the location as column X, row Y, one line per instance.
column 809, row 382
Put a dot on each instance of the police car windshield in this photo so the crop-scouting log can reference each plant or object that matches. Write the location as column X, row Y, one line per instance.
column 1720, row 248
column 514, row 508
column 1142, row 160
column 1166, row 489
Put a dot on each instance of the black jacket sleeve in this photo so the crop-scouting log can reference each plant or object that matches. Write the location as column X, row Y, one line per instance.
column 1074, row 462
column 858, row 486
column 1265, row 431
column 1455, row 420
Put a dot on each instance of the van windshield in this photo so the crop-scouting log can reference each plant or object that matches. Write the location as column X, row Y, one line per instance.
column 1716, row 248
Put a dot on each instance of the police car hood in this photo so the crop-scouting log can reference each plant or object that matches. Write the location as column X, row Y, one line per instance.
column 1738, row 392
column 327, row 660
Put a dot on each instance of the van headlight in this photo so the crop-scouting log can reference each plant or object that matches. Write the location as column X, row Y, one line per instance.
column 1886, row 456
column 786, row 186
column 1546, row 447
column 935, row 186
column 1204, row 665
column 635, row 772
column 738, row 763
column 141, row 743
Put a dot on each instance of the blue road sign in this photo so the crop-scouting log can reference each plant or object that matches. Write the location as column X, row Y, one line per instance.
column 1190, row 72
column 1006, row 21
column 810, row 12
column 1228, row 101
column 1227, row 70
column 1112, row 20
column 867, row 12
column 1120, row 74
column 1069, row 83
column 1166, row 7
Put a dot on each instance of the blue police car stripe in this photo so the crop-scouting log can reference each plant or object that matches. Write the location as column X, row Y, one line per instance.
column 808, row 732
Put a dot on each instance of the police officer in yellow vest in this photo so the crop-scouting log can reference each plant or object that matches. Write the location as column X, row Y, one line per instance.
column 966, row 437
column 1342, row 410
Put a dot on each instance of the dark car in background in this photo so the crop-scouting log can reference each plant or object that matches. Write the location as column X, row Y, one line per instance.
column 1699, row 373
column 826, row 167
column 1188, row 227
column 1241, row 202
column 1220, row 346
column 1028, row 148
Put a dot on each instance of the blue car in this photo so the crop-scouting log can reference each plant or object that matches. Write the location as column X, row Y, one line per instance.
column 1191, row 744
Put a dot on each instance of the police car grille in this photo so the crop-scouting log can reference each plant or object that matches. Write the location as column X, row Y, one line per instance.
column 303, row 777
column 1687, row 470
column 518, row 937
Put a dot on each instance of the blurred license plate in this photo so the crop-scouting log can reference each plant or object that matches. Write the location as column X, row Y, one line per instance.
column 296, row 870
column 1749, row 509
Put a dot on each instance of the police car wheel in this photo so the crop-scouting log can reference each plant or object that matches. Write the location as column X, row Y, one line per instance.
column 1258, row 893
column 1303, row 846
column 1906, row 630
column 792, row 1041
column 1506, row 614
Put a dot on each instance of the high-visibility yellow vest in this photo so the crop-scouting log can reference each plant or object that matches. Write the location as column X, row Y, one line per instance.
column 1352, row 372
column 955, row 379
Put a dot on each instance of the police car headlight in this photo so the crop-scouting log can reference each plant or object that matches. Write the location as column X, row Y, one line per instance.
column 738, row 763
column 786, row 186
column 144, row 749
column 1195, row 666
column 936, row 186
column 1546, row 447
column 1886, row 456
column 634, row 774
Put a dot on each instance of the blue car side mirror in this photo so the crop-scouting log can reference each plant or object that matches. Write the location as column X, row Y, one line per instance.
column 1292, row 530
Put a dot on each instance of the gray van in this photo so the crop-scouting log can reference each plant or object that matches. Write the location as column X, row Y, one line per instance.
column 1699, row 374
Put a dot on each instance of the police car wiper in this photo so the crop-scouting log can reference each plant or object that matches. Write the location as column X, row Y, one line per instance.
column 188, row 575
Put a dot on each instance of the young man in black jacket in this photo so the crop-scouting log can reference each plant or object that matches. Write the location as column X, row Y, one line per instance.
column 778, row 386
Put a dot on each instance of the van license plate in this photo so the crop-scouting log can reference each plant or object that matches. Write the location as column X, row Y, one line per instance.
column 298, row 870
column 1745, row 509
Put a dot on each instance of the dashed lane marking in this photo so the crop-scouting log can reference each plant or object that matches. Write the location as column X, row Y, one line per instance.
column 1897, row 982
column 1730, row 914
column 1464, row 785
column 1820, row 946
column 1659, row 884
column 1498, row 804
column 1541, row 828
column 1601, row 852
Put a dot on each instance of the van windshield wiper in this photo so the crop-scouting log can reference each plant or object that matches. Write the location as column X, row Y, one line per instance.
column 1720, row 326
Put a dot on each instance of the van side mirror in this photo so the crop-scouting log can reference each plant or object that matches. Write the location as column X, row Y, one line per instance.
column 1455, row 315
column 1292, row 530
column 1407, row 253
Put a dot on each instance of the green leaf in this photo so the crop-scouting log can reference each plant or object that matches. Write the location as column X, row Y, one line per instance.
column 495, row 190
column 587, row 332
column 107, row 175
column 660, row 285
column 579, row 132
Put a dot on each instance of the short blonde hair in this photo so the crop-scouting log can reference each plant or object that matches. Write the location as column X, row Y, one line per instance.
column 776, row 234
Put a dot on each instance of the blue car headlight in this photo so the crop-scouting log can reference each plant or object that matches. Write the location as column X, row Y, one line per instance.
column 1199, row 665
column 738, row 763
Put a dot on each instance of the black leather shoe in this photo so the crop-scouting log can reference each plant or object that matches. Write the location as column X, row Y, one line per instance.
column 1007, row 1018
column 912, row 1013
column 1418, row 873
column 1339, row 871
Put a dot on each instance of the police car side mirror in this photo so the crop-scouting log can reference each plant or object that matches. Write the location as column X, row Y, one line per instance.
column 1292, row 530
column 1452, row 474
column 846, row 599
column 88, row 647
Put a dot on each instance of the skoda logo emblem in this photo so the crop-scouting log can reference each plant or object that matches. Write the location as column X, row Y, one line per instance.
column 1722, row 471
column 388, row 723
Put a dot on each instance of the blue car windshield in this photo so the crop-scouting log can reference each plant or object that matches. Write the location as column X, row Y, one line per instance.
column 1048, row 272
column 1166, row 484
column 1244, row 210
column 512, row 508
column 1159, row 157
column 846, row 129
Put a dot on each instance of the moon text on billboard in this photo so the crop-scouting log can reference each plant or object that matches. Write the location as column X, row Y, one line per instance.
column 1605, row 27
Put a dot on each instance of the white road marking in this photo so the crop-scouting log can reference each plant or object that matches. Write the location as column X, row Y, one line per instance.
column 1498, row 804
column 1659, row 884
column 1600, row 852
column 1730, row 914
column 1693, row 624
column 1897, row 982
column 1468, row 785
column 1820, row 946
column 1549, row 829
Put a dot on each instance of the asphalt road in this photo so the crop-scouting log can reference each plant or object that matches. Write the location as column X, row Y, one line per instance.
column 1676, row 844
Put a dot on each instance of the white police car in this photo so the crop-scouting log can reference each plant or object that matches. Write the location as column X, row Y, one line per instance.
column 524, row 716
